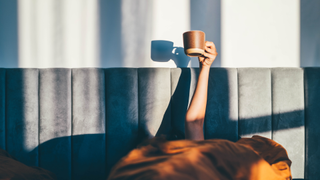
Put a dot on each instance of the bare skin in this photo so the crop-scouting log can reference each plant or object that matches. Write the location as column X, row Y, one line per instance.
column 195, row 115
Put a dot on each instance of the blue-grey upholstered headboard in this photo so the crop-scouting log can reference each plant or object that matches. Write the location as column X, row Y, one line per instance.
column 79, row 122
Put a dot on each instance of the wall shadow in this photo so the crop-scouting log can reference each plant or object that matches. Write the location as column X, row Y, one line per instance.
column 110, row 33
column 164, row 51
column 309, row 33
column 205, row 15
column 9, row 52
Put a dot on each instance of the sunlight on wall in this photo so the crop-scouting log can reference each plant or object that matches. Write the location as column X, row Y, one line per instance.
column 55, row 33
column 260, row 33
column 169, row 25
column 98, row 33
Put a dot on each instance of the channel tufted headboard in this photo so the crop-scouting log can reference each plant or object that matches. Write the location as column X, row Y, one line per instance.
column 78, row 123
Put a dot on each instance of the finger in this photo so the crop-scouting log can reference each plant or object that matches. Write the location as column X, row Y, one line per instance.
column 211, row 51
column 208, row 55
column 201, row 58
column 210, row 45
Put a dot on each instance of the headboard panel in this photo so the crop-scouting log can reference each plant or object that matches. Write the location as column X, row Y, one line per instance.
column 55, row 110
column 288, row 114
column 255, row 104
column 222, row 108
column 122, row 113
column 154, row 92
column 2, row 108
column 89, row 118
column 312, row 121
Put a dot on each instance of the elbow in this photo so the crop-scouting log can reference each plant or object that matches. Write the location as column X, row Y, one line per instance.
column 190, row 118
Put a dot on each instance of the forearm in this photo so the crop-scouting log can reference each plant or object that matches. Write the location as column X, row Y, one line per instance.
column 197, row 109
column 198, row 103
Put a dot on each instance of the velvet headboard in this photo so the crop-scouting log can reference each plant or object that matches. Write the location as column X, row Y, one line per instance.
column 78, row 123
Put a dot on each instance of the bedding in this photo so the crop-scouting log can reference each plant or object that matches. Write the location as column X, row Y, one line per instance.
column 11, row 169
column 255, row 158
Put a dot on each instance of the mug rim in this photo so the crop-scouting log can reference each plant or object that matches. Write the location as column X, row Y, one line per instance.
column 193, row 31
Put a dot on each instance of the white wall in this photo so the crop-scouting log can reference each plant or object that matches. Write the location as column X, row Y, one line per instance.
column 260, row 33
column 58, row 33
column 139, row 33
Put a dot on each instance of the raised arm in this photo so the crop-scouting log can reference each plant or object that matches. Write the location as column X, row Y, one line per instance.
column 197, row 109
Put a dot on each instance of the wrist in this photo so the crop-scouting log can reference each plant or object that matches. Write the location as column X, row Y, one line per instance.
column 204, row 67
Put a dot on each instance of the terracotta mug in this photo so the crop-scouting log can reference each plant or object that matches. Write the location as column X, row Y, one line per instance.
column 194, row 42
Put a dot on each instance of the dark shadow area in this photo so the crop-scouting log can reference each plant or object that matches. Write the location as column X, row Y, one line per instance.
column 9, row 34
column 280, row 124
column 122, row 113
column 205, row 15
column 177, row 107
column 110, row 33
column 220, row 108
column 309, row 33
column 87, row 161
column 21, row 114
column 163, row 51
column 312, row 113
column 2, row 108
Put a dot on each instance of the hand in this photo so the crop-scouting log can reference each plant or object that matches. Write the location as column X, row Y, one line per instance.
column 209, row 55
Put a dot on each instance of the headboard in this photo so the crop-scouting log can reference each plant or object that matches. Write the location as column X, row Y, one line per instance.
column 78, row 123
